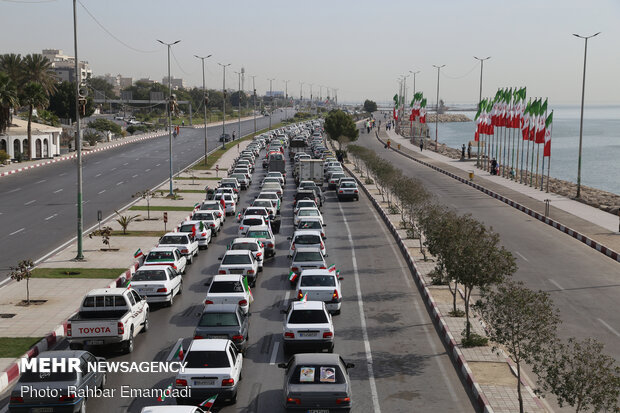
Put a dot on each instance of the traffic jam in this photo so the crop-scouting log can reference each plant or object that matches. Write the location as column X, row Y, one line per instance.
column 315, row 378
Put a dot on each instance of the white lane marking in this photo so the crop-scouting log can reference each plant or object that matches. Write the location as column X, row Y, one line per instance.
column 174, row 349
column 158, row 164
column 556, row 284
column 119, row 183
column 360, row 302
column 274, row 353
column 97, row 163
column 101, row 192
column 146, row 170
column 609, row 327
column 126, row 163
column 51, row 216
column 137, row 159
column 133, row 176
column 30, row 202
column 522, row 256
column 62, row 174
column 58, row 190
column 14, row 190
column 113, row 169
column 18, row 231
column 409, row 282
column 41, row 181
column 97, row 176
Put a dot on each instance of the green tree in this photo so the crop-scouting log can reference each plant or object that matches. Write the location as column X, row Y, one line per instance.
column 101, row 85
column 62, row 102
column 11, row 64
column 522, row 320
column 38, row 69
column 370, row 106
column 340, row 127
column 104, row 125
column 125, row 220
column 23, row 271
column 33, row 96
column 8, row 100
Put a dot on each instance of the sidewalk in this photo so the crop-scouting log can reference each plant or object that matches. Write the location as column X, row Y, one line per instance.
column 64, row 295
column 590, row 225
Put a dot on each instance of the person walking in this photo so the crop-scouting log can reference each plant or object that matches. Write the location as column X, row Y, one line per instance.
column 469, row 151
column 463, row 152
column 389, row 143
column 421, row 144
column 234, row 134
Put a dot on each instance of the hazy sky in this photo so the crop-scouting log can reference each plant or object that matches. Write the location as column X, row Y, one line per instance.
column 359, row 47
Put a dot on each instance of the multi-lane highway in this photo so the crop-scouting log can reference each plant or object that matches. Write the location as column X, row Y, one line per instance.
column 38, row 206
column 584, row 284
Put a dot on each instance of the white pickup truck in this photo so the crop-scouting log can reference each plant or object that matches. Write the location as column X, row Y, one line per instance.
column 108, row 316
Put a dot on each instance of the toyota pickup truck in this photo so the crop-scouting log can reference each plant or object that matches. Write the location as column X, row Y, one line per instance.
column 108, row 316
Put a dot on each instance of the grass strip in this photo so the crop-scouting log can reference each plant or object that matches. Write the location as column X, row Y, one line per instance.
column 191, row 191
column 139, row 233
column 13, row 347
column 161, row 208
column 77, row 272
column 189, row 178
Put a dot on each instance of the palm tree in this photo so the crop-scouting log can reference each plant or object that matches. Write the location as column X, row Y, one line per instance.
column 11, row 64
column 37, row 68
column 33, row 96
column 8, row 100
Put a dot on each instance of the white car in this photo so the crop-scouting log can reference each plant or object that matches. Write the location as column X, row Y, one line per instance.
column 308, row 325
column 304, row 203
column 271, row 180
column 251, row 244
column 213, row 367
column 305, row 258
column 229, row 289
column 239, row 262
column 267, row 204
column 201, row 231
column 182, row 241
column 321, row 285
column 250, row 220
column 230, row 203
column 273, row 187
column 212, row 205
column 225, row 190
column 307, row 213
column 272, row 196
column 264, row 234
column 158, row 283
column 210, row 217
column 166, row 256
column 306, row 238
column 312, row 223
column 278, row 175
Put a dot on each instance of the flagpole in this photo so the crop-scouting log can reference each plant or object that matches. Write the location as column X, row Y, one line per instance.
column 542, row 170
column 512, row 139
column 533, row 143
column 523, row 143
column 549, row 163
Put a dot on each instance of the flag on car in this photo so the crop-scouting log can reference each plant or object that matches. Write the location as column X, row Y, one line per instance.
column 304, row 298
column 138, row 253
column 332, row 268
column 292, row 276
column 128, row 285
column 201, row 227
column 165, row 394
column 179, row 353
column 209, row 402
column 247, row 287
column 337, row 273
column 196, row 205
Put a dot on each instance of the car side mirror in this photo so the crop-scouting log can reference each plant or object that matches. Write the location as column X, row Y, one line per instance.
column 283, row 311
column 220, row 258
column 324, row 225
column 289, row 238
column 349, row 365
column 282, row 365
column 340, row 278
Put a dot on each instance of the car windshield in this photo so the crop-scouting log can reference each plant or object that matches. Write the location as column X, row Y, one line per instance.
column 306, row 256
column 202, row 216
column 307, row 317
column 173, row 239
column 272, row 181
column 257, row 211
column 307, row 239
column 236, row 259
column 306, row 204
column 308, row 213
column 226, row 287
column 239, row 176
column 32, row 377
column 210, row 205
column 252, row 221
column 318, row 281
column 244, row 246
column 149, row 275
column 187, row 228
column 268, row 196
column 218, row 320
column 258, row 234
column 309, row 225
column 206, row 359
column 317, row 374
column 266, row 204
column 160, row 255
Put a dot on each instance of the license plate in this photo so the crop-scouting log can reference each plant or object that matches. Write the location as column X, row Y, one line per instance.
column 93, row 343
column 216, row 336
column 42, row 409
column 236, row 271
column 146, row 290
column 308, row 334
column 204, row 382
column 318, row 411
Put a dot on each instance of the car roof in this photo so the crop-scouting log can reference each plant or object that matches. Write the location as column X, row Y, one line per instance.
column 104, row 291
column 316, row 271
column 317, row 219
column 227, row 277
column 253, row 217
column 153, row 267
column 158, row 249
column 307, row 305
column 61, row 354
column 236, row 252
column 245, row 240
column 220, row 308
column 258, row 227
column 212, row 344
column 306, row 232
column 173, row 233
column 316, row 358
column 308, row 249
column 307, row 208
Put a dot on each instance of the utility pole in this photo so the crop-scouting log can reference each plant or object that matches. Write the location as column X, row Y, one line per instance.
column 437, row 109
column 224, row 104
column 286, row 98
column 205, row 99
column 583, row 92
column 239, row 108
column 301, row 93
column 271, row 102
column 78, row 145
column 169, row 112
column 479, row 102
column 254, row 87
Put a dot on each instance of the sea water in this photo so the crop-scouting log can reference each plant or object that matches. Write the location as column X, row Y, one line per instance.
column 600, row 160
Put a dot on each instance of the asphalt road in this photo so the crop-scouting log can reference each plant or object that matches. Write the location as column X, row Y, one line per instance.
column 411, row 370
column 584, row 285
column 38, row 207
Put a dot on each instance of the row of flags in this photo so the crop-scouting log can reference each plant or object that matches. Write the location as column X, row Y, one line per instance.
column 418, row 108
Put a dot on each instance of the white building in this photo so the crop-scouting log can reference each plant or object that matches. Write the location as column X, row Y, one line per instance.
column 175, row 83
column 44, row 142
column 64, row 65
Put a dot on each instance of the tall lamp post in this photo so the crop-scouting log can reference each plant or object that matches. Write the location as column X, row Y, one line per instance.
column 479, row 102
column 224, row 66
column 583, row 91
column 254, row 99
column 437, row 108
column 286, row 98
column 78, row 145
column 271, row 100
column 301, row 93
column 169, row 111
column 239, row 108
column 205, row 100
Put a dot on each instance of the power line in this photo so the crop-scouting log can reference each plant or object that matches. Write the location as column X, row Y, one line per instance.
column 460, row 77
column 110, row 33
column 178, row 64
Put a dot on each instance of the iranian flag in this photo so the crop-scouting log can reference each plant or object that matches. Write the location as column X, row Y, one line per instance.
column 165, row 394
column 332, row 268
column 479, row 118
column 394, row 114
column 534, row 113
column 488, row 124
column 412, row 116
column 525, row 121
column 423, row 111
column 548, row 127
column 138, row 253
column 292, row 276
column 208, row 403
column 179, row 353
column 247, row 287
column 304, row 298
column 540, row 126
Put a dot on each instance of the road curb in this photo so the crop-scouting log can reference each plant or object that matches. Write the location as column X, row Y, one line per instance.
column 440, row 324
column 614, row 255
column 84, row 153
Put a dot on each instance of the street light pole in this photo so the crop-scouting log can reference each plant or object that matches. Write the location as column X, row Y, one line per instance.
column 479, row 103
column 169, row 112
column 254, row 87
column 205, row 100
column 583, row 91
column 437, row 108
column 286, row 98
column 311, row 84
column 301, row 93
column 224, row 103
column 271, row 101
column 239, row 108
column 78, row 144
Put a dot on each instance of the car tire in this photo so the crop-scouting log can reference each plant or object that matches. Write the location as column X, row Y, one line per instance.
column 233, row 398
column 171, row 301
column 83, row 406
column 104, row 381
column 330, row 349
column 180, row 288
column 129, row 343
column 337, row 312
column 190, row 260
column 146, row 325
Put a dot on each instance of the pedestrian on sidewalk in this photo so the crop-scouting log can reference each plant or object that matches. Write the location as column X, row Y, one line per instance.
column 238, row 147
column 234, row 133
column 389, row 143
column 463, row 152
column 421, row 144
column 469, row 150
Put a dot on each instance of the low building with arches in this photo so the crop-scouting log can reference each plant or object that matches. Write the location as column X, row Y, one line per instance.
column 44, row 142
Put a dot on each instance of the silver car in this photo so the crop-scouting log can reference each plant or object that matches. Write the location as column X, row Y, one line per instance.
column 317, row 382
